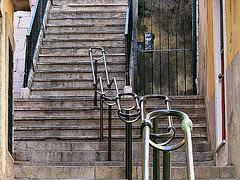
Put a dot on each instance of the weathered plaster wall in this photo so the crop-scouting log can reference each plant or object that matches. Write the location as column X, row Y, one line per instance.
column 202, row 48
column 233, row 111
column 206, row 64
column 6, row 40
column 232, row 9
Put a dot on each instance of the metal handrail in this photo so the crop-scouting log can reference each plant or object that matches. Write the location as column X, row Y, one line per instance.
column 186, row 127
column 128, row 39
column 33, row 36
column 124, row 112
column 104, row 96
column 155, row 135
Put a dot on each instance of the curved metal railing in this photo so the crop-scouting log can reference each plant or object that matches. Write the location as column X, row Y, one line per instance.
column 186, row 127
column 96, row 54
column 156, row 136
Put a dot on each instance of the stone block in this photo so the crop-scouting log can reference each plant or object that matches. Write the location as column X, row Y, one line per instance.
column 25, row 92
column 109, row 173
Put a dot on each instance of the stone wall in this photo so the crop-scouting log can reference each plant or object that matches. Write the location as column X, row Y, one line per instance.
column 21, row 24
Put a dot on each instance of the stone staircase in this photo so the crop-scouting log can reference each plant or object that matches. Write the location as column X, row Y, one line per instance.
column 57, row 128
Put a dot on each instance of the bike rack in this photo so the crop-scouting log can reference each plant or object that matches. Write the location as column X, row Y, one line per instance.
column 128, row 118
column 104, row 96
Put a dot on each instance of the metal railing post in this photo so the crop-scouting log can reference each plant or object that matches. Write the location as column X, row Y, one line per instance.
column 156, row 154
column 101, row 118
column 166, row 165
column 109, row 132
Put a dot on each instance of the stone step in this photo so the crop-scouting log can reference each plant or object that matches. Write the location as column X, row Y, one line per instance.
column 96, row 156
column 89, row 13
column 92, row 130
column 83, row 20
column 91, row 7
column 94, row 42
column 68, row 101
column 115, row 172
column 86, row 27
column 45, row 74
column 136, row 138
column 87, row 120
column 68, row 91
column 57, row 50
column 92, row 146
column 62, row 2
column 80, row 65
column 69, row 82
column 92, row 110
column 78, row 57
column 85, row 34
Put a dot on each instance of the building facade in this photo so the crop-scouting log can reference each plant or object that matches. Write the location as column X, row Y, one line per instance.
column 7, row 47
column 218, row 76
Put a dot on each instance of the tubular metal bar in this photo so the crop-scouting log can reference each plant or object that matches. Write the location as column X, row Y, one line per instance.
column 128, row 149
column 171, row 133
column 103, row 94
column 166, row 165
column 186, row 127
column 101, row 118
column 109, row 132
column 128, row 122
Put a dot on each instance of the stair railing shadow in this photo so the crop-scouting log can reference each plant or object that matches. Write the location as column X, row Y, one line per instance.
column 146, row 125
column 97, row 54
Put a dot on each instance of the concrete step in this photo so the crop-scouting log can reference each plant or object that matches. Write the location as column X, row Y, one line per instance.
column 94, row 42
column 89, row 13
column 58, row 50
column 45, row 74
column 115, row 172
column 85, row 34
column 91, row 7
column 83, row 20
column 79, row 65
column 69, row 82
column 78, row 57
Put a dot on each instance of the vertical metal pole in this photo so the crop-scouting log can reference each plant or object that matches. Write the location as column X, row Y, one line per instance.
column 166, row 165
column 95, row 73
column 109, row 132
column 189, row 154
column 156, row 154
column 128, row 149
column 145, row 153
column 194, row 45
column 101, row 118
